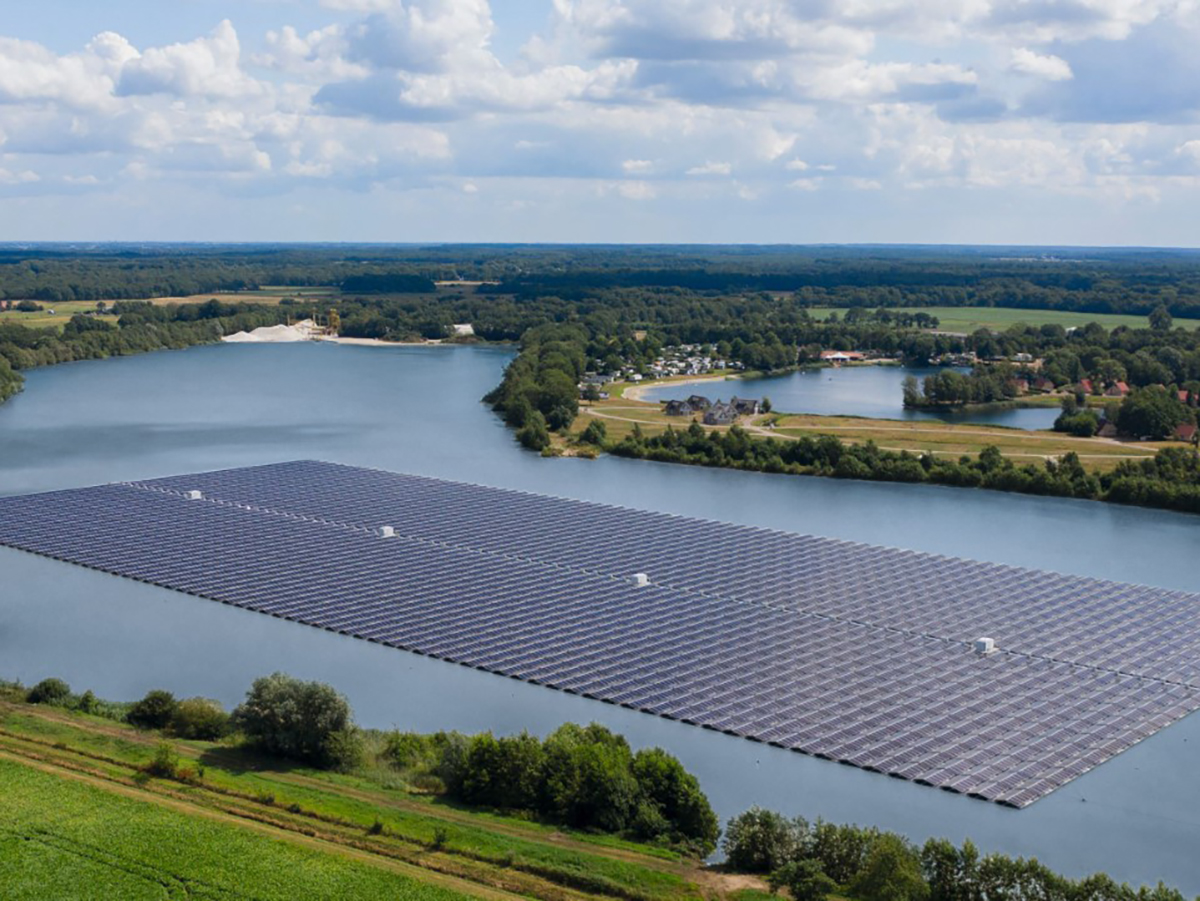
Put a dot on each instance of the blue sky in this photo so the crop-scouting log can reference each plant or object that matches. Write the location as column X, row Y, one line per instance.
column 1006, row 121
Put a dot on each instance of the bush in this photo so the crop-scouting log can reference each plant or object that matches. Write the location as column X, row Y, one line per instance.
column 762, row 841
column 804, row 880
column 165, row 763
column 200, row 718
column 55, row 692
column 305, row 721
column 154, row 711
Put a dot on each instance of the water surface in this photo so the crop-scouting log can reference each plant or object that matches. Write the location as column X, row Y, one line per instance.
column 417, row 410
column 875, row 391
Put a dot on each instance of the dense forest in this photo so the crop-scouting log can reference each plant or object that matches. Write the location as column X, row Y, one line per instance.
column 607, row 310
column 1081, row 279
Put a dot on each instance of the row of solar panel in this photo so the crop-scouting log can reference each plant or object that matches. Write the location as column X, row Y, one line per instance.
column 920, row 709
column 1104, row 624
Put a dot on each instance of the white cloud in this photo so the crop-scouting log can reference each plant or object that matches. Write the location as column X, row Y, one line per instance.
column 1047, row 66
column 635, row 167
column 209, row 66
column 25, row 177
column 711, row 168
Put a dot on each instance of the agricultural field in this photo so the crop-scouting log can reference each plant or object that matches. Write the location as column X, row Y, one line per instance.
column 620, row 415
column 58, row 314
column 968, row 319
column 80, row 808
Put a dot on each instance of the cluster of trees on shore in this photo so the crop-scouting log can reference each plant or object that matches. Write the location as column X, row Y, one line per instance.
column 816, row 860
column 984, row 385
column 1171, row 479
column 581, row 776
column 539, row 391
column 586, row 777
column 140, row 327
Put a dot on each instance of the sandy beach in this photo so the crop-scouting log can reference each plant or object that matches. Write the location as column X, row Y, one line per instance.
column 634, row 392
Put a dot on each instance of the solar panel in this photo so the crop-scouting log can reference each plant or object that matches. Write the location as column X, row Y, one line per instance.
column 854, row 653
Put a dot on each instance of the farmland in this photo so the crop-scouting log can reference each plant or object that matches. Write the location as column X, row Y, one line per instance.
column 79, row 808
column 966, row 320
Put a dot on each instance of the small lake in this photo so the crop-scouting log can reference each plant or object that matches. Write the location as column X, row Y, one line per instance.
column 417, row 410
column 874, row 391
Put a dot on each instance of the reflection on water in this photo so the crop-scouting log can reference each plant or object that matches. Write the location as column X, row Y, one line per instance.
column 418, row 410
column 875, row 391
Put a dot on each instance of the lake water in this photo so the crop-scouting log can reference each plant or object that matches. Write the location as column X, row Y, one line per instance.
column 875, row 391
column 417, row 410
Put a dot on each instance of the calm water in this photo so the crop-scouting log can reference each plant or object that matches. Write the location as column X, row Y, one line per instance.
column 876, row 391
column 417, row 410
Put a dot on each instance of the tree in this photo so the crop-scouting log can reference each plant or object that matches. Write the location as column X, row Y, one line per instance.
column 49, row 691
column 762, row 841
column 595, row 434
column 1152, row 412
column 892, row 872
column 1160, row 318
column 804, row 880
column 200, row 718
column 675, row 794
column 302, row 720
column 534, row 435
column 153, row 711
column 765, row 406
column 912, row 391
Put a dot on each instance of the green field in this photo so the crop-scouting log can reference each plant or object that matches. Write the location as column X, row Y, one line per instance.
column 61, row 838
column 968, row 319
column 77, row 808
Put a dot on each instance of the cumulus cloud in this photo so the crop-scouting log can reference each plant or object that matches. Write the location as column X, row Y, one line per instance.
column 1047, row 66
column 659, row 101
column 208, row 66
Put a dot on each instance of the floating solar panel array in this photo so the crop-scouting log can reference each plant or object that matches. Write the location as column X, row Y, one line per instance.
column 860, row 654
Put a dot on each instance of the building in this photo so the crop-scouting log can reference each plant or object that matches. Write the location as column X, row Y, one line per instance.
column 842, row 356
column 745, row 406
column 1186, row 432
column 1117, row 389
column 721, row 414
column 679, row 408
column 699, row 402
column 1085, row 385
column 1041, row 383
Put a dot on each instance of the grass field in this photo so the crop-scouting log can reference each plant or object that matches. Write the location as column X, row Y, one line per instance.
column 57, row 314
column 78, row 809
column 968, row 319
column 621, row 414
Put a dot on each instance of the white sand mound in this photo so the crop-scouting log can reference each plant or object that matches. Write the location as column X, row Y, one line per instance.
column 276, row 334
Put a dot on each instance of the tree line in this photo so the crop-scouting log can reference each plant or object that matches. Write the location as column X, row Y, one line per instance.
column 586, row 777
column 816, row 860
column 140, row 327
column 1170, row 479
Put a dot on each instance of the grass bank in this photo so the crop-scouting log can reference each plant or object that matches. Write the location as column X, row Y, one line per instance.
column 80, row 808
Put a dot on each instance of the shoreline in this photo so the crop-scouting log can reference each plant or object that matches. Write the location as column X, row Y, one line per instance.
column 635, row 389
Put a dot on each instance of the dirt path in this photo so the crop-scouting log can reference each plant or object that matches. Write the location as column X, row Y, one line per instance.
column 411, row 871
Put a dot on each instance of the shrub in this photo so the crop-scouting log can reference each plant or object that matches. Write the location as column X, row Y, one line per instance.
column 165, row 763
column 804, row 880
column 200, row 718
column 55, row 692
column 154, row 711
column 305, row 721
